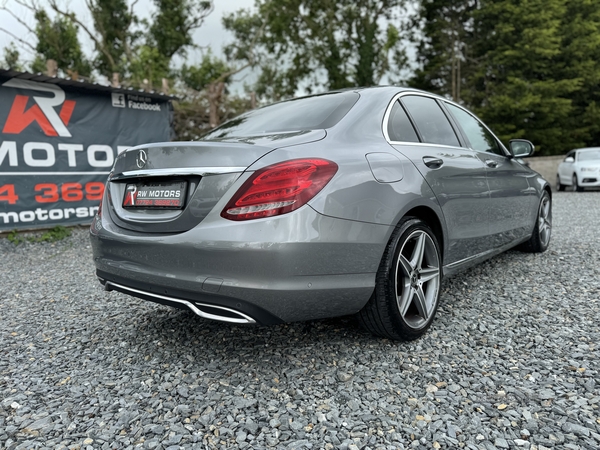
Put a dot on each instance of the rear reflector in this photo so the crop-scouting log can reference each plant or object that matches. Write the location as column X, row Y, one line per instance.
column 279, row 189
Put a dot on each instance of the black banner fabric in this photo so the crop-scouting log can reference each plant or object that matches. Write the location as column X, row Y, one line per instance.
column 57, row 147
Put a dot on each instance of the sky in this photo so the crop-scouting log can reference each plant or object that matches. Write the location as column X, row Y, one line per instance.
column 210, row 34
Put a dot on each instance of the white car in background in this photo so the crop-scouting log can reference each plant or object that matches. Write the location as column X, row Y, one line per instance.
column 580, row 169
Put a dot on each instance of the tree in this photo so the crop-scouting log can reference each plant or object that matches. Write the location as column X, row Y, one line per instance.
column 191, row 113
column 174, row 22
column 139, row 51
column 113, row 22
column 170, row 33
column 210, row 75
column 64, row 28
column 322, row 43
column 443, row 33
column 141, row 58
column 580, row 59
column 147, row 67
column 214, row 74
column 12, row 58
column 519, row 64
column 519, row 88
column 58, row 40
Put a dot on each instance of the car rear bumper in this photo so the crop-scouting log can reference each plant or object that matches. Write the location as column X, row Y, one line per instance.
column 298, row 266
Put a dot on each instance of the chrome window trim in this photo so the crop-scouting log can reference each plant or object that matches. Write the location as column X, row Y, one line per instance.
column 185, row 171
column 388, row 111
column 386, row 118
column 425, row 144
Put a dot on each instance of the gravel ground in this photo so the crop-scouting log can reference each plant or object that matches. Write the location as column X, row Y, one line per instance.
column 512, row 361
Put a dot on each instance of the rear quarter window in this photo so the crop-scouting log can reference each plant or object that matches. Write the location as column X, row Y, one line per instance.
column 399, row 127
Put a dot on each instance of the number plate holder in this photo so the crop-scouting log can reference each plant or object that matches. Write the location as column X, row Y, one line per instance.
column 155, row 195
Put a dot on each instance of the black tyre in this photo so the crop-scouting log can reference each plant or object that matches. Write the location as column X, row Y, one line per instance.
column 540, row 239
column 559, row 185
column 576, row 186
column 408, row 283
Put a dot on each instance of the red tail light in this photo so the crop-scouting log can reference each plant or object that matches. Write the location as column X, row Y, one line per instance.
column 279, row 189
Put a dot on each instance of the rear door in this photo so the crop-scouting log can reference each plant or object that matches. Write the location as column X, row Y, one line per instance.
column 418, row 128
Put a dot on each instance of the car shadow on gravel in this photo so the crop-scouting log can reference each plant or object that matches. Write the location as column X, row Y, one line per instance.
column 175, row 333
column 183, row 329
column 191, row 327
column 163, row 337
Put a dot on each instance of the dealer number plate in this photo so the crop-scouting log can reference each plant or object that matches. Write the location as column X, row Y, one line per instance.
column 155, row 195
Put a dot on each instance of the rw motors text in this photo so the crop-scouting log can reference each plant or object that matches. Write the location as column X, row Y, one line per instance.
column 44, row 154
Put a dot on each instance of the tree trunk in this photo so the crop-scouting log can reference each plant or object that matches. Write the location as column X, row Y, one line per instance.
column 458, row 82
column 215, row 93
column 51, row 68
column 453, row 73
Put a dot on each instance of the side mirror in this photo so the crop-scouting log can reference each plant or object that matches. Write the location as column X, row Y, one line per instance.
column 520, row 148
column 570, row 159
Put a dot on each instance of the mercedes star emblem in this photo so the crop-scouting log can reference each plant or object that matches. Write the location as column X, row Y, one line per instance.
column 142, row 159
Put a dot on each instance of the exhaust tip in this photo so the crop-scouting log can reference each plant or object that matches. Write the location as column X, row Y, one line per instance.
column 107, row 285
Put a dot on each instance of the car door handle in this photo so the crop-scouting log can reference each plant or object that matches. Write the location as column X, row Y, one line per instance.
column 432, row 162
column 491, row 163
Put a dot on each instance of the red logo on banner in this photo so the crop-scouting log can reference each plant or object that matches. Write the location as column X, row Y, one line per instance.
column 19, row 118
column 42, row 112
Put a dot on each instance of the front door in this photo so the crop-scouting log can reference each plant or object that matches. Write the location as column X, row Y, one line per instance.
column 512, row 197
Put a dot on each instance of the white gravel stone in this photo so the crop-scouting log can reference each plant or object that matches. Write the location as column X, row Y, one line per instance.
column 519, row 330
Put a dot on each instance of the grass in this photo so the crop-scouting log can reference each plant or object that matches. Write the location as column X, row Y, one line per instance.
column 58, row 233
column 13, row 236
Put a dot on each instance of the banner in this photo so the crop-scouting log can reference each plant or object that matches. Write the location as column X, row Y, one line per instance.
column 57, row 147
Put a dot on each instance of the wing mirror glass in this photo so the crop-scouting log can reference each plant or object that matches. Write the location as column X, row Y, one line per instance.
column 521, row 148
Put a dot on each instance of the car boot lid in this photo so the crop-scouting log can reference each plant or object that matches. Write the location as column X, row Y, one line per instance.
column 204, row 157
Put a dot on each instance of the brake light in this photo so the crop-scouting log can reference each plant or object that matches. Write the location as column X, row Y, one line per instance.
column 279, row 188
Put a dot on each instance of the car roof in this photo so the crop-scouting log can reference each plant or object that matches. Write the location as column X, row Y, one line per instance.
column 373, row 90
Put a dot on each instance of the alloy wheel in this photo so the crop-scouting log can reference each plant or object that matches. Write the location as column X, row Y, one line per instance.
column 418, row 277
column 545, row 221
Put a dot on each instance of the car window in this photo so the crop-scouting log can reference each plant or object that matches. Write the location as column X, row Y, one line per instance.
column 588, row 155
column 432, row 123
column 399, row 126
column 570, row 155
column 478, row 135
column 307, row 113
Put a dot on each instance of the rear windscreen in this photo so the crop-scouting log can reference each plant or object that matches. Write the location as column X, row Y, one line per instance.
column 308, row 113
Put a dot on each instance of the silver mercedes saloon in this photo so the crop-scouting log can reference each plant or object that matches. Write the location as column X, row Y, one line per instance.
column 350, row 202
